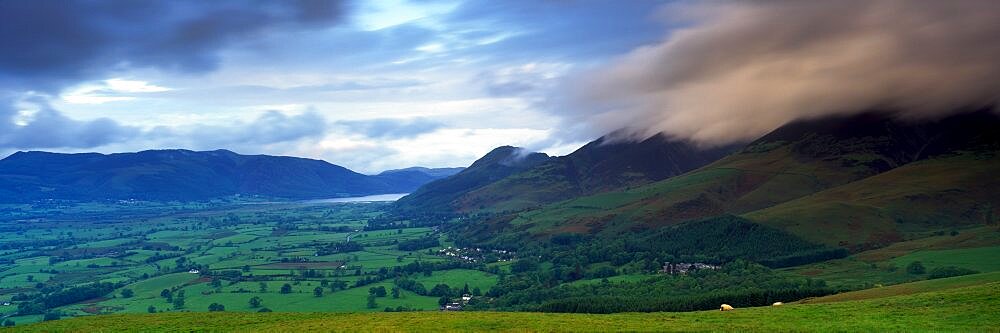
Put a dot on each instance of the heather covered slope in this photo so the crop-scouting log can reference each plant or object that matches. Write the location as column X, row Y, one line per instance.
column 944, row 193
column 796, row 161
column 599, row 166
column 180, row 175
column 959, row 304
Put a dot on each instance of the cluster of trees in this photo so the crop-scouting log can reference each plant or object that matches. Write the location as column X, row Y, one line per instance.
column 654, row 303
column 42, row 302
column 740, row 283
column 174, row 296
column 216, row 307
column 917, row 268
column 439, row 290
column 715, row 240
column 949, row 271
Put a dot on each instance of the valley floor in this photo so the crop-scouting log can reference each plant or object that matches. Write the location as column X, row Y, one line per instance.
column 951, row 305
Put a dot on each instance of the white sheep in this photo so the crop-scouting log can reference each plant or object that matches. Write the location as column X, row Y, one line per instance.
column 726, row 307
column 777, row 304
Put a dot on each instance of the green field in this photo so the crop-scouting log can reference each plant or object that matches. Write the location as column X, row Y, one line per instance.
column 974, row 249
column 983, row 259
column 323, row 265
column 950, row 307
column 221, row 253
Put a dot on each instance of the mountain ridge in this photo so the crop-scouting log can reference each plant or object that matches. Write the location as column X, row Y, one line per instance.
column 180, row 174
column 800, row 167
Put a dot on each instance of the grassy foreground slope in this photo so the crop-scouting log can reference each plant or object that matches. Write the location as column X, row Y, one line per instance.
column 937, row 305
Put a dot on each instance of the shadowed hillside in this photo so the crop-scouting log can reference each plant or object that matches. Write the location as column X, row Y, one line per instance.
column 599, row 166
column 806, row 158
column 439, row 196
column 185, row 175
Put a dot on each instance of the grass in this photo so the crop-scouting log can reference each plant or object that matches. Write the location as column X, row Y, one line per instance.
column 958, row 309
column 974, row 248
column 457, row 278
column 944, row 193
column 910, row 288
column 983, row 259
column 258, row 240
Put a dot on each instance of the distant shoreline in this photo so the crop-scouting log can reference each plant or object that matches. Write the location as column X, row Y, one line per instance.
column 367, row 198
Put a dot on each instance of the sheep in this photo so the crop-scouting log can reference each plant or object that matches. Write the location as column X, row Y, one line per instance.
column 725, row 307
column 777, row 304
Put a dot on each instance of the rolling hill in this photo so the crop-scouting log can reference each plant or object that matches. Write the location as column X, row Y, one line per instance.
column 188, row 175
column 440, row 195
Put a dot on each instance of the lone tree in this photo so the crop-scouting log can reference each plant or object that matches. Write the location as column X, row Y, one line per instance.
column 8, row 323
column 216, row 307
column 151, row 309
column 371, row 301
column 916, row 268
column 395, row 292
column 54, row 315
column 179, row 303
column 318, row 292
column 255, row 302
column 127, row 293
column 263, row 287
column 286, row 289
column 377, row 291
column 441, row 289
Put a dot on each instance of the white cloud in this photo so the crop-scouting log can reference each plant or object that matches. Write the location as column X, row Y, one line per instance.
column 110, row 90
column 376, row 15
column 132, row 86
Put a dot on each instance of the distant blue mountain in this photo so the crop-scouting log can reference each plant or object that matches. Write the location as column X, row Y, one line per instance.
column 191, row 175
column 413, row 178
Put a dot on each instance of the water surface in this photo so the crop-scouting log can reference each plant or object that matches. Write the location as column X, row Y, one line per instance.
column 367, row 198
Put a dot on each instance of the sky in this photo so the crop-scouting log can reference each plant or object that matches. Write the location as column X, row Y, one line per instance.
column 370, row 85
column 377, row 85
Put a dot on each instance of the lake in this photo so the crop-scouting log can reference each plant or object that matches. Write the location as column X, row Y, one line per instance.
column 367, row 198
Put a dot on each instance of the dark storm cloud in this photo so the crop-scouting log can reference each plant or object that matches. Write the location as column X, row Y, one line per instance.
column 391, row 128
column 741, row 69
column 47, row 128
column 49, row 44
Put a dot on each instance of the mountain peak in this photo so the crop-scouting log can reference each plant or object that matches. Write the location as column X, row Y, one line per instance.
column 510, row 156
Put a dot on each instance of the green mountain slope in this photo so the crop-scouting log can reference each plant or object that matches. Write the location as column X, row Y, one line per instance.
column 792, row 162
column 948, row 192
column 439, row 196
column 601, row 165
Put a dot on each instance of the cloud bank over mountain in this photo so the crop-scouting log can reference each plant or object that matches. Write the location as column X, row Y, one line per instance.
column 740, row 69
